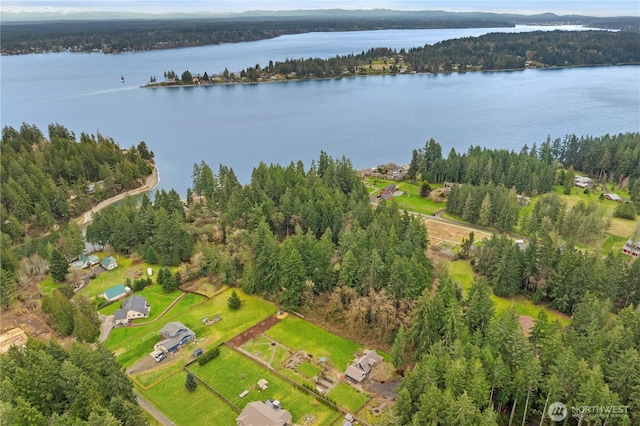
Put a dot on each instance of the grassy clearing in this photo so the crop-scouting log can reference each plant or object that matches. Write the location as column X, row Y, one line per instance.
column 128, row 342
column 188, row 408
column 127, row 268
column 461, row 271
column 348, row 397
column 297, row 334
column 232, row 373
column 308, row 370
column 155, row 295
column 411, row 199
column 163, row 371
column 262, row 348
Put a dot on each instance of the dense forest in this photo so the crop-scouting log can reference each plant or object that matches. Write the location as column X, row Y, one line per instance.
column 48, row 180
column 494, row 51
column 44, row 384
column 477, row 367
column 308, row 239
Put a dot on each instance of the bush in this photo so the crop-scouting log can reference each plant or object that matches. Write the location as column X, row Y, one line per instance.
column 626, row 211
column 209, row 355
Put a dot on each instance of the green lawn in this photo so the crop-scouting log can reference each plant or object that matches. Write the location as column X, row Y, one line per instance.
column 126, row 269
column 296, row 334
column 232, row 373
column 151, row 377
column 411, row 199
column 188, row 408
column 308, row 369
column 261, row 347
column 155, row 295
column 460, row 271
column 132, row 343
column 348, row 397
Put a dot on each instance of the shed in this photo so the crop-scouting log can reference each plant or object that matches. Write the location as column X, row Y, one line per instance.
column 263, row 384
column 116, row 292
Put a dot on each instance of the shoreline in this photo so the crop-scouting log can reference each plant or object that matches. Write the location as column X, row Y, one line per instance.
column 229, row 83
column 151, row 182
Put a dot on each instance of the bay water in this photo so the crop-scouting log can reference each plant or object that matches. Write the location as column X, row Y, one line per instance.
column 371, row 120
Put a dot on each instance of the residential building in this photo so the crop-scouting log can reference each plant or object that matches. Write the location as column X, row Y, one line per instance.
column 632, row 248
column 116, row 292
column 175, row 335
column 268, row 413
column 132, row 308
column 613, row 197
column 84, row 261
column 362, row 366
column 109, row 263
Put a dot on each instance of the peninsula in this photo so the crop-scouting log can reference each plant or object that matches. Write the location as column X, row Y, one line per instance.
column 489, row 52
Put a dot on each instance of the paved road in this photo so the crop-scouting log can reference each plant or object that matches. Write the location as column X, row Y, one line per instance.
column 152, row 410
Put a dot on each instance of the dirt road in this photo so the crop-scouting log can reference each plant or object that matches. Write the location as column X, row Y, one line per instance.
column 151, row 182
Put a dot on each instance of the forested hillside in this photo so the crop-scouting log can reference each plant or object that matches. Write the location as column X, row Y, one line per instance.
column 495, row 51
column 44, row 384
column 46, row 180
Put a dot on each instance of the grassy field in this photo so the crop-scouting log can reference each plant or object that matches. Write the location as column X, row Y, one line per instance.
column 131, row 343
column 188, row 408
column 262, row 348
column 411, row 199
column 460, row 271
column 348, row 397
column 232, row 373
column 297, row 334
column 155, row 295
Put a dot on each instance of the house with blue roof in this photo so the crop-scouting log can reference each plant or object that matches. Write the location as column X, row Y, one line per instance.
column 116, row 292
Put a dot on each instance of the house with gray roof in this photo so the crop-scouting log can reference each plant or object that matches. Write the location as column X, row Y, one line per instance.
column 132, row 308
column 362, row 366
column 175, row 335
column 268, row 413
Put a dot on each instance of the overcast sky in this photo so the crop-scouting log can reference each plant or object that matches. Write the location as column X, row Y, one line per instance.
column 583, row 7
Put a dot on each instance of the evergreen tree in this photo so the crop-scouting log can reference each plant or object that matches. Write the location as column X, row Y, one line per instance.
column 234, row 301
column 59, row 267
column 190, row 383
column 398, row 349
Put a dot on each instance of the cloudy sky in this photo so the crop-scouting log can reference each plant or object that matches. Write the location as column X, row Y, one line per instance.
column 562, row 7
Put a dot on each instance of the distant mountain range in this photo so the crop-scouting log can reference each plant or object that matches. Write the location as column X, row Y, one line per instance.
column 27, row 16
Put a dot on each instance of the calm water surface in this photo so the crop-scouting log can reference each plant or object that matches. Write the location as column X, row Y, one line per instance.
column 371, row 120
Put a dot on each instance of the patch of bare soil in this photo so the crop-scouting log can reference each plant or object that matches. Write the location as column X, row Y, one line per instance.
column 527, row 323
column 446, row 232
column 254, row 331
column 27, row 315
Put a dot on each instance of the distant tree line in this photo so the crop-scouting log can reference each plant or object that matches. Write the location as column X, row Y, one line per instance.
column 498, row 51
column 114, row 36
column 491, row 179
column 556, row 272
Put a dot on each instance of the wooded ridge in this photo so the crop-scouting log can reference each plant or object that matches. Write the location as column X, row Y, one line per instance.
column 489, row 52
